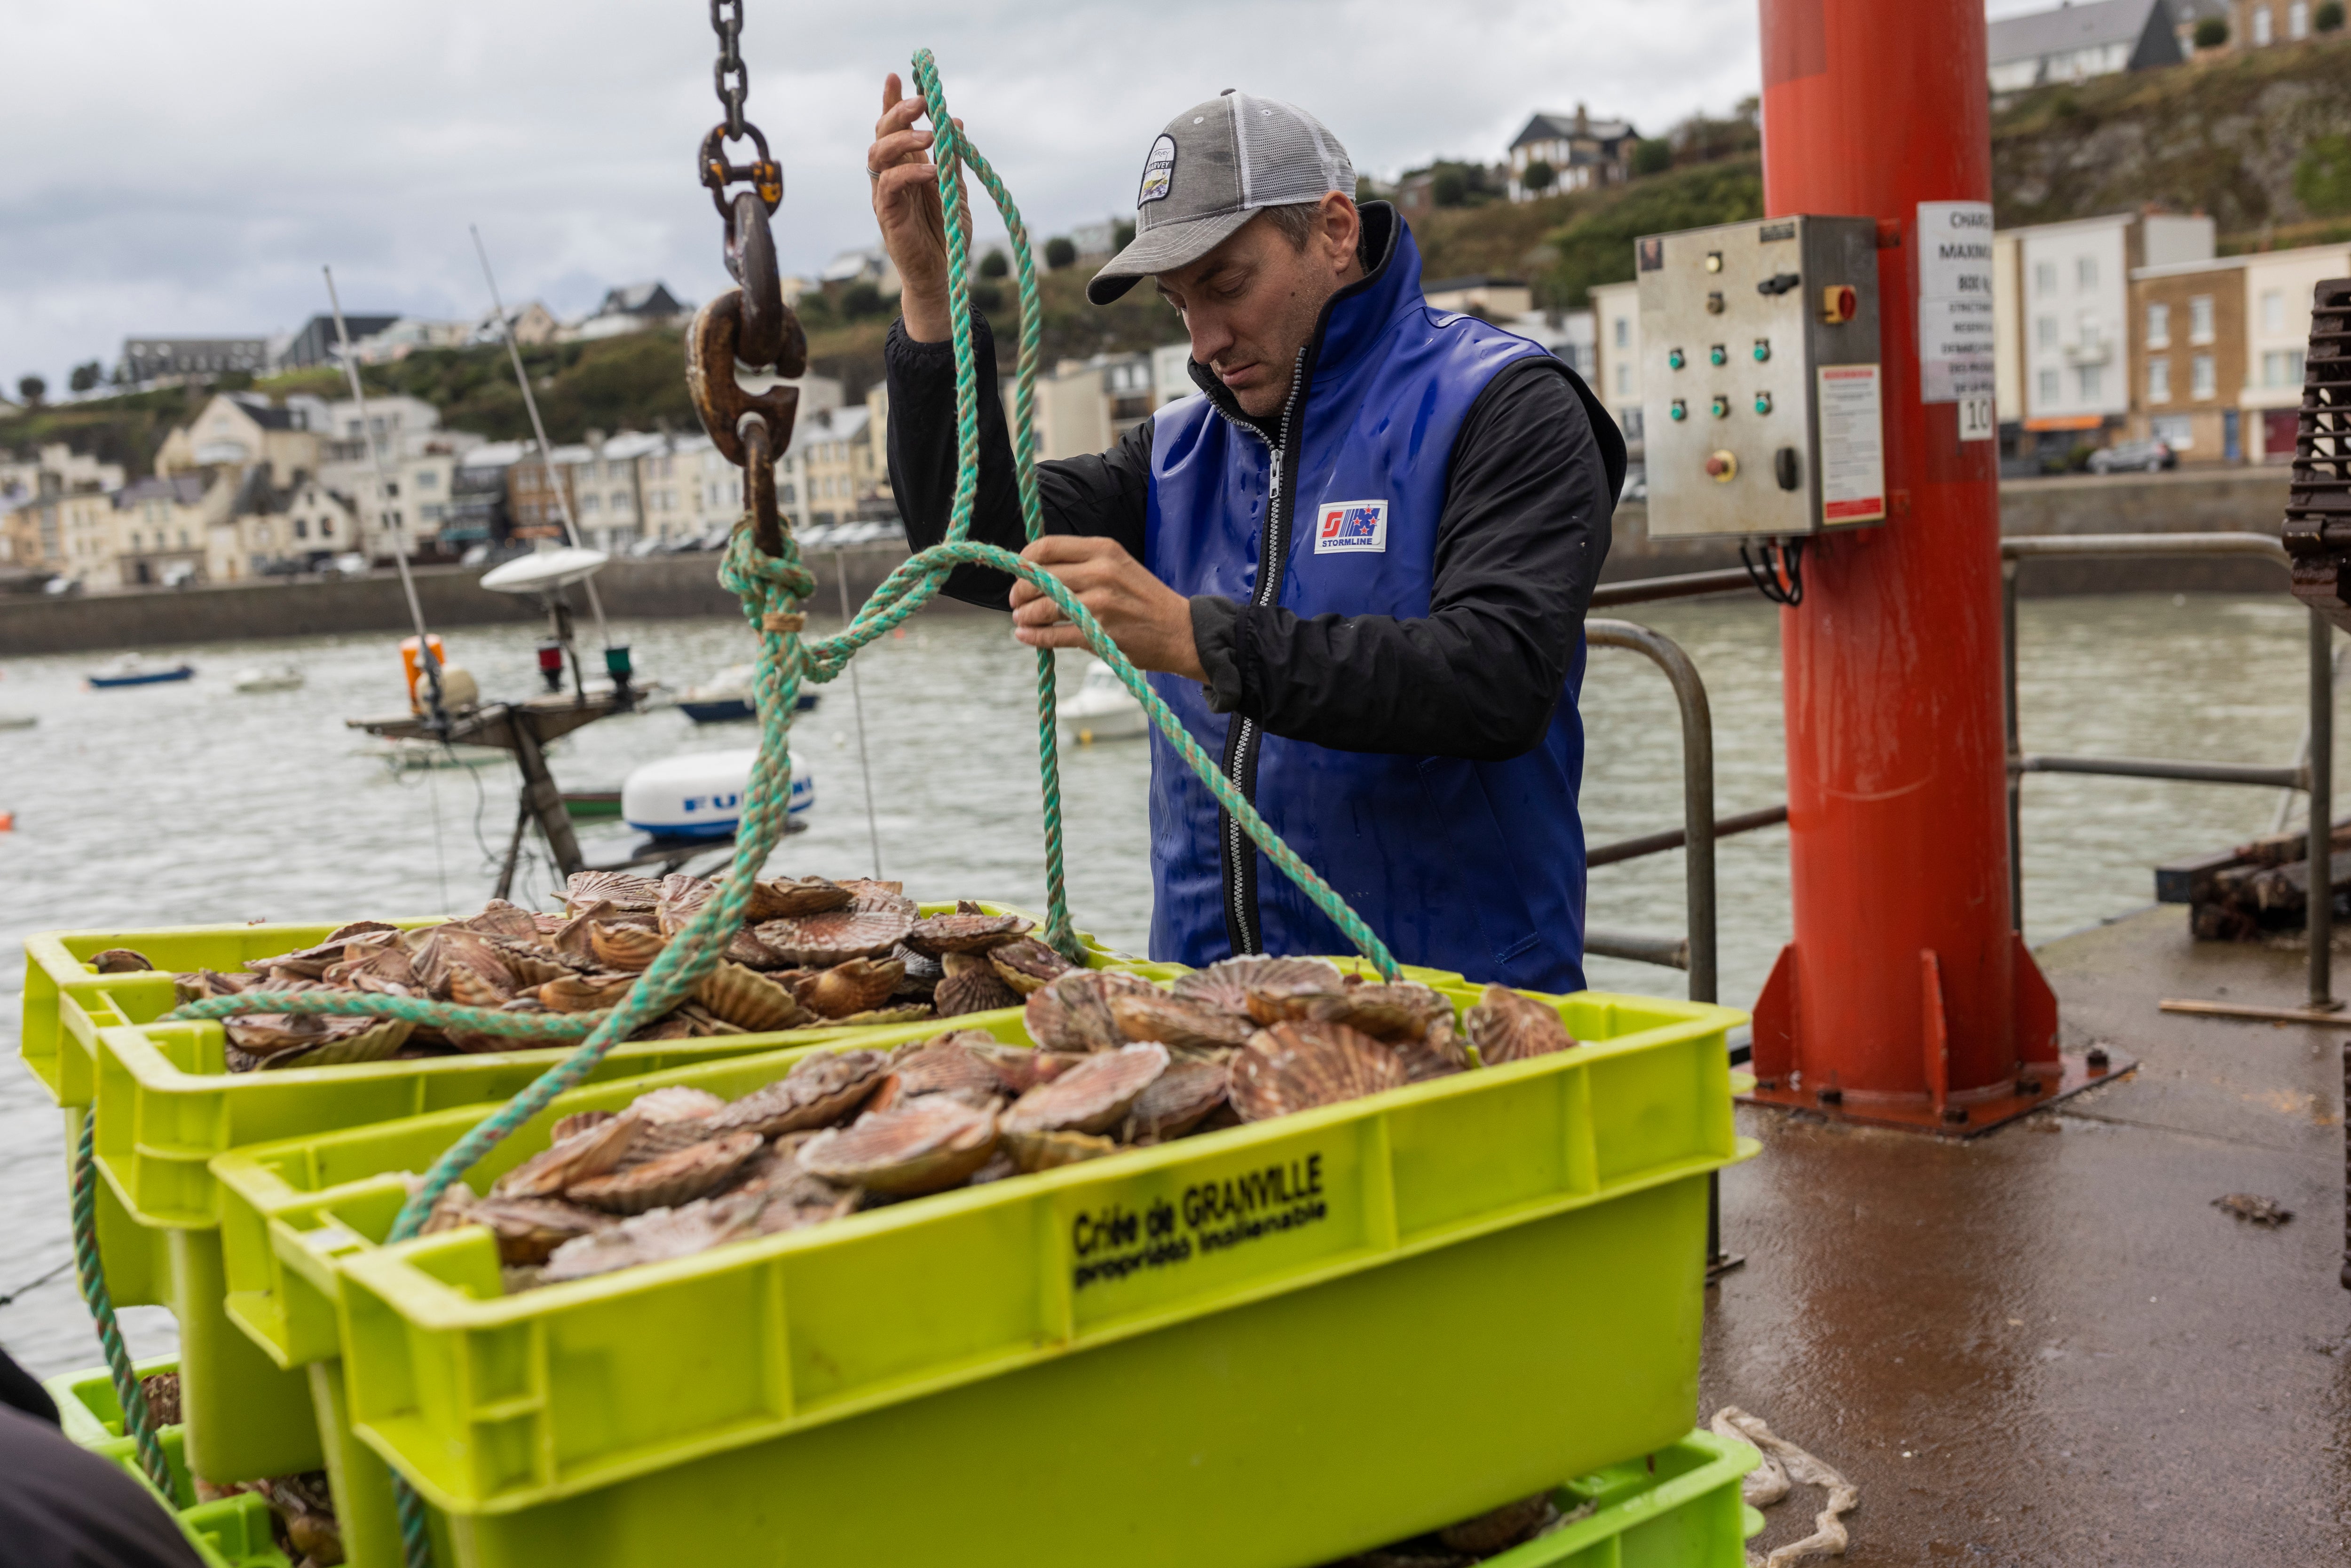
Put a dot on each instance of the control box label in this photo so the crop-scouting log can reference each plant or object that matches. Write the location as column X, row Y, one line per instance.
column 1852, row 445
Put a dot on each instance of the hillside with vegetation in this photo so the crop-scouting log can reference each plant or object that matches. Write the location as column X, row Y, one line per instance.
column 2261, row 139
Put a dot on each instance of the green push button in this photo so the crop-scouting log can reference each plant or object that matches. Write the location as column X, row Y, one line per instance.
column 1674, row 359
column 1762, row 350
column 1718, row 355
column 1762, row 403
column 1722, row 408
column 1679, row 412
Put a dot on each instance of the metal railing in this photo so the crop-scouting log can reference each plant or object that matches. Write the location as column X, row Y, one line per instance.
column 2314, row 775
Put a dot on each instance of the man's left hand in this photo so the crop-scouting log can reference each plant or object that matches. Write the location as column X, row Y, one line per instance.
column 1150, row 622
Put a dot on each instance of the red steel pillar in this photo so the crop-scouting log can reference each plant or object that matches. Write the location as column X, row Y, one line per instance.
column 1907, row 996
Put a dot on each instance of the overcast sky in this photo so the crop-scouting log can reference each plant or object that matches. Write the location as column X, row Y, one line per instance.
column 178, row 168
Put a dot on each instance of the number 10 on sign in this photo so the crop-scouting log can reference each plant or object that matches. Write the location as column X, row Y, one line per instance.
column 1976, row 419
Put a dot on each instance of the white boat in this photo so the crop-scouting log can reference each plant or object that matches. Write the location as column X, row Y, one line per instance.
column 1103, row 709
column 270, row 678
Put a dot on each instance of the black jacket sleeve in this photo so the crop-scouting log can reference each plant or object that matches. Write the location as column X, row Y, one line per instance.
column 1518, row 548
column 1103, row 493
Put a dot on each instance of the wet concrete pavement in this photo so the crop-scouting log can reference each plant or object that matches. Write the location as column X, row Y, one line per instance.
column 2046, row 1345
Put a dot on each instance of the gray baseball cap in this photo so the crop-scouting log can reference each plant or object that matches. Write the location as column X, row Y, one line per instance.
column 1214, row 166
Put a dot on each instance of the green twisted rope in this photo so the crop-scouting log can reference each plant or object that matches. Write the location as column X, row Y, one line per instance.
column 129, row 1396
column 772, row 589
column 414, row 1010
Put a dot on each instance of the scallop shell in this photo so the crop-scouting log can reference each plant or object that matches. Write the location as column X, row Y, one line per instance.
column 1178, row 1101
column 530, row 1228
column 1092, row 1097
column 447, row 960
column 973, row 991
column 695, row 1171
column 1021, row 1069
column 909, row 1013
column 938, row 935
column 1507, row 1027
column 450, row 1210
column 703, row 1024
column 630, row 948
column 1393, row 1012
column 923, row 975
column 574, row 940
column 119, row 961
column 1181, row 1022
column 795, row 1199
column 1034, row 1152
column 676, row 1102
column 682, row 899
column 655, row 1237
column 820, row 1089
column 590, row 1152
column 622, row 890
column 388, row 971
column 819, row 940
column 672, row 1027
column 531, row 965
column 940, row 1066
column 1074, row 1012
column 584, row 993
column 1227, row 983
column 888, row 897
column 923, row 1145
column 1435, row 1054
column 1028, row 965
column 678, row 887
column 1296, row 1066
column 500, row 919
column 349, row 1041
column 783, row 895
column 847, row 988
column 578, row 1121
column 749, row 999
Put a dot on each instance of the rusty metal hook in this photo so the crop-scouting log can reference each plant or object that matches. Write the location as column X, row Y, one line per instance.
column 751, row 257
column 730, row 412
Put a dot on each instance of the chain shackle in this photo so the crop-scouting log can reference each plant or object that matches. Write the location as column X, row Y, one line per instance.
column 749, row 429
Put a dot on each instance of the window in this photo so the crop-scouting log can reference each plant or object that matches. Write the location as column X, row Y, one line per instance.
column 326, row 528
column 2159, row 381
column 2092, row 379
column 184, row 533
column 1623, row 333
column 2085, row 272
column 2049, row 386
column 2174, row 430
column 301, row 527
column 428, row 479
column 2045, row 331
column 2297, row 19
column 621, row 504
column 2273, row 310
column 391, row 489
column 1624, row 380
column 2200, row 379
column 2199, row 318
column 2282, row 368
column 2085, row 329
column 591, row 503
column 430, row 512
column 2044, row 277
column 262, row 533
column 2158, row 326
column 2261, row 34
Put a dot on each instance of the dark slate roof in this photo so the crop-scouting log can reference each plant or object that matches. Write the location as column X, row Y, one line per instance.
column 641, row 299
column 1550, row 125
column 187, row 488
column 2083, row 27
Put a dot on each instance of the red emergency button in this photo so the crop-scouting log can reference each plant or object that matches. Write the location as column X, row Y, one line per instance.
column 1722, row 466
column 1838, row 303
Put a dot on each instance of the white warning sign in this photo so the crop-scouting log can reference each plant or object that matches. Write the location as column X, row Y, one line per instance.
column 1955, row 303
column 1852, row 445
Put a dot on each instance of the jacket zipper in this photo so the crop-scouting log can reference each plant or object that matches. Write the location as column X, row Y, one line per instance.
column 1240, row 759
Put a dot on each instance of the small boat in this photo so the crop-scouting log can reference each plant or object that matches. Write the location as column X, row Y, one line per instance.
column 592, row 805
column 700, row 795
column 1103, row 709
column 413, row 754
column 18, row 720
column 728, row 699
column 131, row 670
column 270, row 678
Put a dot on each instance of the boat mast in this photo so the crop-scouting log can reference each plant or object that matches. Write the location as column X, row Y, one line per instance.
column 399, row 526
column 530, row 405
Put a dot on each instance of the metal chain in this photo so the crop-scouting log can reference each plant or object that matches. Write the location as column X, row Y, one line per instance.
column 726, row 21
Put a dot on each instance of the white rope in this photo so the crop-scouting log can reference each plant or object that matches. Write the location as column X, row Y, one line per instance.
column 1783, row 1465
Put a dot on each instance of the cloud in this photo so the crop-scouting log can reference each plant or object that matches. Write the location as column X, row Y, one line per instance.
column 186, row 169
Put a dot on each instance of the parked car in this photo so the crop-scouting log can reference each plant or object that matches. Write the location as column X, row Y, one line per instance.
column 179, row 574
column 2150, row 456
column 59, row 587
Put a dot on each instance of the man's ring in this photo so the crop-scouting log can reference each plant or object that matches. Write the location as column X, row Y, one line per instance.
column 873, row 174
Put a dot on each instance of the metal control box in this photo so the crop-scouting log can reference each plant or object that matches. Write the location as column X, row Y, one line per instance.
column 1763, row 392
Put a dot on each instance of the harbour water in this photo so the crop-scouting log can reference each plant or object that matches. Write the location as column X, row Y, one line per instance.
column 181, row 804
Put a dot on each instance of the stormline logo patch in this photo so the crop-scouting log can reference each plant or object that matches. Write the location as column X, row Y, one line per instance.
column 1343, row 527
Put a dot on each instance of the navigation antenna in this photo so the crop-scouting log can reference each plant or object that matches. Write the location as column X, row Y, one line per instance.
column 399, row 525
column 546, row 451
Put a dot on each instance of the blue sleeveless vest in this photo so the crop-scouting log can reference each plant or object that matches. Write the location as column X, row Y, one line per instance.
column 1476, row 867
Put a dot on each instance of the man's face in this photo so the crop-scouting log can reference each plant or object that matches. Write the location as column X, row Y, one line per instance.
column 1251, row 303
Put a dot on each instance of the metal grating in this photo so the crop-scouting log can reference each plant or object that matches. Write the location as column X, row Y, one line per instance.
column 2318, row 505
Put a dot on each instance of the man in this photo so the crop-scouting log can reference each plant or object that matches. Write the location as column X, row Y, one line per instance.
column 1358, row 566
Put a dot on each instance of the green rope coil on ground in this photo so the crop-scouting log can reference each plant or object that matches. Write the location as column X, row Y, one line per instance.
column 771, row 590
column 129, row 1397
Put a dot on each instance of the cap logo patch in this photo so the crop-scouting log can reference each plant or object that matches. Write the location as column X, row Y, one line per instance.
column 1351, row 525
column 1158, row 171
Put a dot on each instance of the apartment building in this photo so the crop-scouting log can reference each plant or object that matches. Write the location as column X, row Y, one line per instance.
column 2075, row 370
column 2190, row 321
column 164, row 528
column 2278, row 295
column 1617, row 337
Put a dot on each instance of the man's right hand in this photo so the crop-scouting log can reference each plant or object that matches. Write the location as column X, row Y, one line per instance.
column 906, row 206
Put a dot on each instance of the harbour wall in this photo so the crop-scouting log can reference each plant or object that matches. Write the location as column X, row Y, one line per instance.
column 665, row 586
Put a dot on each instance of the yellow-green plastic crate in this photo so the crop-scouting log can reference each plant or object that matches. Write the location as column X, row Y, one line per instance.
column 1514, row 1253
column 1676, row 1507
column 87, row 1411
column 165, row 1105
column 228, row 1533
